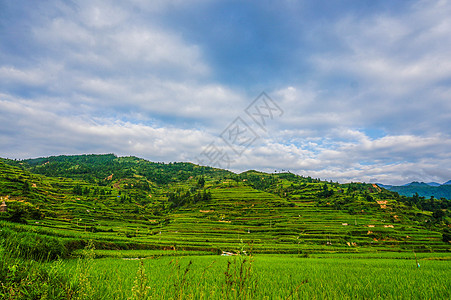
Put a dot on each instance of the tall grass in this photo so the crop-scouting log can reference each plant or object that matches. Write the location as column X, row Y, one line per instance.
column 28, row 279
column 217, row 277
column 240, row 281
column 82, row 277
column 29, row 245
column 267, row 277
column 141, row 289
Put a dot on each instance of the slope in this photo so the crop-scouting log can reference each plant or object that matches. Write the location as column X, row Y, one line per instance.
column 130, row 203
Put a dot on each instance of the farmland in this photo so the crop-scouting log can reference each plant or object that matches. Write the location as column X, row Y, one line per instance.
column 259, row 277
column 89, row 218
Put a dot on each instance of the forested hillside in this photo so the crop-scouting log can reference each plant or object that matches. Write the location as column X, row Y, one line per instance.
column 131, row 203
column 423, row 190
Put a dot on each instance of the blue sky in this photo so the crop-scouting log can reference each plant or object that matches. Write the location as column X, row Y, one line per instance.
column 363, row 87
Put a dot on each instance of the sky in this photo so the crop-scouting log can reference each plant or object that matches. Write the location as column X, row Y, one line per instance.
column 338, row 90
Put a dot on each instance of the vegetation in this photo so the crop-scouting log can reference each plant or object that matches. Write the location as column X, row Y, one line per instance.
column 241, row 277
column 423, row 190
column 63, row 211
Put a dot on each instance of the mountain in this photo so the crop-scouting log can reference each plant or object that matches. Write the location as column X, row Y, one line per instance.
column 132, row 203
column 447, row 183
column 385, row 186
column 422, row 189
column 416, row 184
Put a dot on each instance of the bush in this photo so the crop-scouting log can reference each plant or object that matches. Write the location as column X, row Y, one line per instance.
column 19, row 211
column 446, row 237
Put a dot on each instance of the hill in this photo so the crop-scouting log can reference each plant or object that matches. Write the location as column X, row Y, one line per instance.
column 131, row 203
column 422, row 189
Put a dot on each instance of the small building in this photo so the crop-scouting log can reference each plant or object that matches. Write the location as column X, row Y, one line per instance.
column 3, row 207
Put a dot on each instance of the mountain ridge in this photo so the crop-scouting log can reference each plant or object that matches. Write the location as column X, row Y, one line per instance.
column 423, row 189
column 128, row 202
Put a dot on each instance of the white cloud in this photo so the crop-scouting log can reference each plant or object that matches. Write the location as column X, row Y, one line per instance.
column 390, row 159
column 401, row 65
column 111, row 77
column 96, row 62
column 120, row 48
column 41, row 132
column 31, row 77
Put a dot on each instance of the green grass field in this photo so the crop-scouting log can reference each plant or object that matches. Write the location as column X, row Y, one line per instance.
column 120, row 274
column 158, row 231
column 265, row 277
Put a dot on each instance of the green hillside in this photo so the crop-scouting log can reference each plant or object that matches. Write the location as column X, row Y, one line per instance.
column 131, row 203
column 423, row 190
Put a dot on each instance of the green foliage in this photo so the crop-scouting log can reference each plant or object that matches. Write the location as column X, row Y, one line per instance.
column 446, row 237
column 180, row 278
column 240, row 280
column 29, row 245
column 430, row 204
column 20, row 211
column 28, row 279
column 141, row 289
column 325, row 193
column 82, row 278
column 201, row 182
column 423, row 190
column 162, row 211
column 120, row 204
column 97, row 168
column 270, row 277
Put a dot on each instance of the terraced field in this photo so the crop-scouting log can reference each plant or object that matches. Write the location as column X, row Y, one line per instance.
column 271, row 213
column 157, row 230
column 272, row 224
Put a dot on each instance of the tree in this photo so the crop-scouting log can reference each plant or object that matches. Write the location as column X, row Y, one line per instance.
column 77, row 190
column 201, row 182
column 326, row 193
column 446, row 237
column 26, row 187
column 438, row 214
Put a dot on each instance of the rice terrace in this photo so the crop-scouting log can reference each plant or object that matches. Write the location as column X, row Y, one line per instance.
column 109, row 227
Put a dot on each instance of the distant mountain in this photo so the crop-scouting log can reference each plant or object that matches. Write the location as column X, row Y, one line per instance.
column 422, row 189
column 385, row 186
column 416, row 183
column 413, row 184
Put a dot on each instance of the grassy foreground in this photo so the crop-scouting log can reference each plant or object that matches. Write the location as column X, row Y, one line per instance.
column 266, row 277
column 390, row 276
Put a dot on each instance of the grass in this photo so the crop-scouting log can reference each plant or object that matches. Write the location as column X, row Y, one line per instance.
column 132, row 254
column 28, row 279
column 87, row 237
column 267, row 277
column 320, row 276
column 278, row 213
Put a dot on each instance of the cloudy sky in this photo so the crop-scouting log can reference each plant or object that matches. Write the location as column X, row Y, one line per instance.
column 355, row 90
